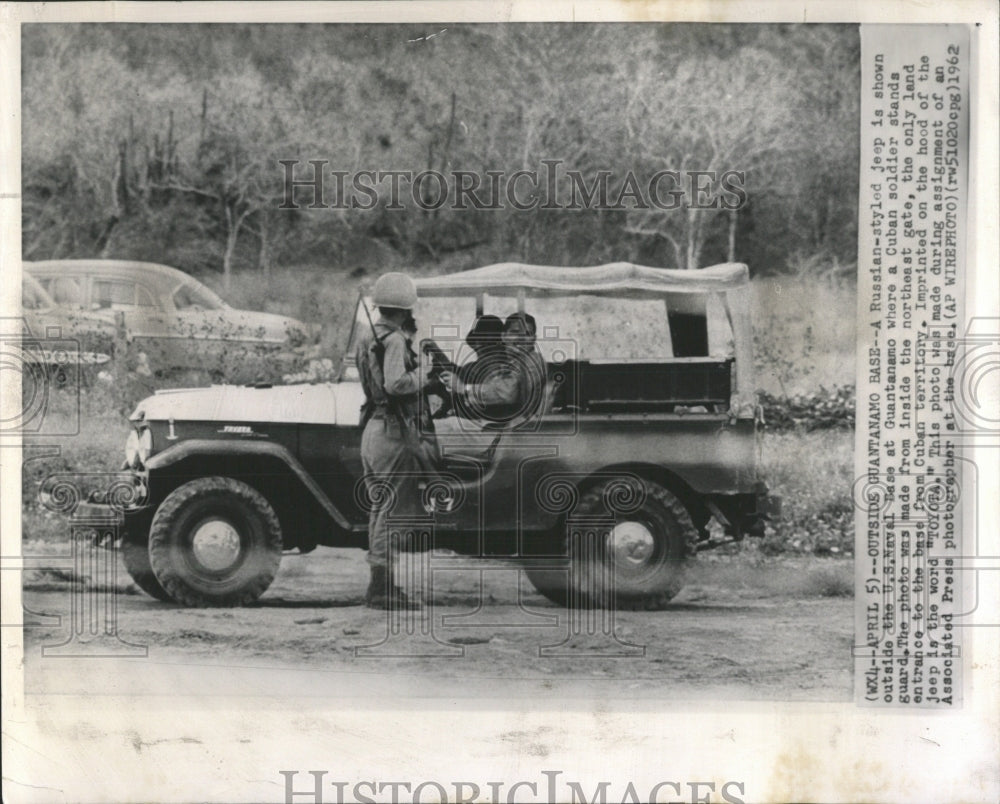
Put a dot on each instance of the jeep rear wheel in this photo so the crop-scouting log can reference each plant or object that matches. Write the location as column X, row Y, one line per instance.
column 215, row 541
column 638, row 562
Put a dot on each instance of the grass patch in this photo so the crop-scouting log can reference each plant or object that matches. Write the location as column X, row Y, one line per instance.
column 90, row 449
column 832, row 581
column 813, row 474
column 753, row 574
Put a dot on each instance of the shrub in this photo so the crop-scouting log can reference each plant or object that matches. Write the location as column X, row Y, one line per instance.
column 812, row 473
column 830, row 581
column 827, row 409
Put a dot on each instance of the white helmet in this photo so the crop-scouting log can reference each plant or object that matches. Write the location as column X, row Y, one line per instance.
column 395, row 290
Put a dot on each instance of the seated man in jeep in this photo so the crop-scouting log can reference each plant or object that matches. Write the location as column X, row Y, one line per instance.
column 486, row 341
column 486, row 344
column 513, row 388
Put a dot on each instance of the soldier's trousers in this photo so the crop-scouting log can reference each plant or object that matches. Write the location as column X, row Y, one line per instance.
column 392, row 475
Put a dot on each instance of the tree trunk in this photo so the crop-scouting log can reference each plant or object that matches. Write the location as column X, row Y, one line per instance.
column 731, row 250
column 204, row 120
column 119, row 351
column 103, row 244
column 692, row 236
column 264, row 255
column 121, row 191
column 446, row 155
column 227, row 261
column 234, row 223
column 232, row 233
column 171, row 146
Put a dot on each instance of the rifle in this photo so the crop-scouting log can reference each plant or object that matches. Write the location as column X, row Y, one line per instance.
column 440, row 362
column 368, row 406
column 438, row 356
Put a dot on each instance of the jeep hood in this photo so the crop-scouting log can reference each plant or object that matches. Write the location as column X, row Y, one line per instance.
column 326, row 403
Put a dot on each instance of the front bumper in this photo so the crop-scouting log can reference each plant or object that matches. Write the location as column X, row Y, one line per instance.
column 129, row 488
column 125, row 493
column 106, row 524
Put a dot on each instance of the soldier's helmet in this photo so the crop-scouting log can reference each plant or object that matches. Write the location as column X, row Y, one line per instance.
column 395, row 289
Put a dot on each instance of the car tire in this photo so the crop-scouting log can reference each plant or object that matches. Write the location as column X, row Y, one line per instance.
column 135, row 557
column 215, row 541
column 654, row 545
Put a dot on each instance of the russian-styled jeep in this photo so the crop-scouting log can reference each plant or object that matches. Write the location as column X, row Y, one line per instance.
column 647, row 432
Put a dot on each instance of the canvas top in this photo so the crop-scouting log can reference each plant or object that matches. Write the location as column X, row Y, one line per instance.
column 619, row 279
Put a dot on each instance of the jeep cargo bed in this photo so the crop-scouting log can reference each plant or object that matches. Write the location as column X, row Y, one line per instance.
column 606, row 386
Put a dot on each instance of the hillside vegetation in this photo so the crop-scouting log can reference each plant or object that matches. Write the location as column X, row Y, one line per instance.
column 165, row 143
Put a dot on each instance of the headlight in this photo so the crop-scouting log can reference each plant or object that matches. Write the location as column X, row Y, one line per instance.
column 132, row 448
column 145, row 444
column 138, row 445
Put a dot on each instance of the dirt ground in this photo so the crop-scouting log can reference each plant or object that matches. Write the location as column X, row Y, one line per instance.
column 742, row 629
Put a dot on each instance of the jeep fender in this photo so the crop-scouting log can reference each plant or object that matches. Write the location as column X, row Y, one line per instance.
column 211, row 447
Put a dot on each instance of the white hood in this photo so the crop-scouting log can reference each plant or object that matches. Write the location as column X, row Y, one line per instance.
column 327, row 403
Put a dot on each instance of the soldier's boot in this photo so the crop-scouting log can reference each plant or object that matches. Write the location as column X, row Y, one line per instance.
column 384, row 594
column 377, row 586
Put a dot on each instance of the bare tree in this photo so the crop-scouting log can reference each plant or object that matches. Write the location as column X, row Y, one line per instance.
column 231, row 160
column 716, row 114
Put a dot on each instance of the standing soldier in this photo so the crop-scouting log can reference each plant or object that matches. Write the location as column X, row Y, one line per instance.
column 392, row 448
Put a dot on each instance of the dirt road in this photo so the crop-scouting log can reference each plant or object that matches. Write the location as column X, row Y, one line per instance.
column 741, row 630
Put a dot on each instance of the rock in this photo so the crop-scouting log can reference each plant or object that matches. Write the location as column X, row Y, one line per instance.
column 469, row 640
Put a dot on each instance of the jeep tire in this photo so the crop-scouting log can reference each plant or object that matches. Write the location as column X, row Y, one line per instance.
column 215, row 541
column 135, row 557
column 639, row 564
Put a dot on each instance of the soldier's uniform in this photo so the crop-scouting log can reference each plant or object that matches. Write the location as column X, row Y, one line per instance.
column 396, row 448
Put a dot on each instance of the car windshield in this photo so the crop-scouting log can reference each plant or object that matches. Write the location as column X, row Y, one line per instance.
column 32, row 296
column 193, row 296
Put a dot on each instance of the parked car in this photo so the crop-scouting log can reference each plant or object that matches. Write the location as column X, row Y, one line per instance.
column 172, row 317
column 605, row 496
column 56, row 334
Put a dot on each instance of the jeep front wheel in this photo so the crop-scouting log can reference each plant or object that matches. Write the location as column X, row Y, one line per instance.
column 637, row 560
column 135, row 557
column 215, row 541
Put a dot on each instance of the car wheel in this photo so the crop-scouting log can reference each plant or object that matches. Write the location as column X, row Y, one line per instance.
column 638, row 562
column 215, row 541
column 135, row 557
